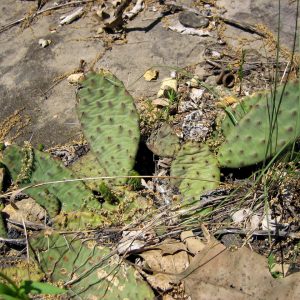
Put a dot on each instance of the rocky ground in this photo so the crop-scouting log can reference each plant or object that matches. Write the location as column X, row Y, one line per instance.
column 210, row 61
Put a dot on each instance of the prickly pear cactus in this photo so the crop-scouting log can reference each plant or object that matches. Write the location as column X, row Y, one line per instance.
column 83, row 220
column 88, row 166
column 93, row 273
column 110, row 123
column 249, row 141
column 53, row 203
column 28, row 166
column 21, row 270
column 235, row 114
column 195, row 161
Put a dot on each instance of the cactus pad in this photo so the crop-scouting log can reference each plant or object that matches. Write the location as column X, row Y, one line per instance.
column 94, row 272
column 28, row 166
column 110, row 123
column 235, row 114
column 88, row 166
column 195, row 161
column 83, row 220
column 248, row 142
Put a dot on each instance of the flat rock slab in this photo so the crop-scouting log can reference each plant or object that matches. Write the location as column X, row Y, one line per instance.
column 261, row 12
column 28, row 70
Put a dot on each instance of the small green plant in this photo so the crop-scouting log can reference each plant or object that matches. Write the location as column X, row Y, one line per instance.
column 11, row 291
column 172, row 96
column 134, row 182
column 271, row 265
column 241, row 70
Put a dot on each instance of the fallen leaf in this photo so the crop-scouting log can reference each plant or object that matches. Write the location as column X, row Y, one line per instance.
column 218, row 273
column 193, row 244
column 226, row 101
column 165, row 262
column 151, row 75
column 27, row 210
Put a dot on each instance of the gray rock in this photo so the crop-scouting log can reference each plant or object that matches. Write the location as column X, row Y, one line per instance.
column 190, row 19
column 195, row 126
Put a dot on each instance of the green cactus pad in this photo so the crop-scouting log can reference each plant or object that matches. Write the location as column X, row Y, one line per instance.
column 247, row 143
column 20, row 270
column 94, row 272
column 88, row 166
column 197, row 162
column 29, row 166
column 83, row 220
column 110, row 123
column 53, row 203
column 235, row 114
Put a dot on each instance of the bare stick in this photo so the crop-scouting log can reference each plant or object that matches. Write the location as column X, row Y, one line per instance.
column 243, row 26
column 39, row 12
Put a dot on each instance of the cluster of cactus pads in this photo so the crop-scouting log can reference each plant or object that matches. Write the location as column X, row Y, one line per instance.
column 28, row 166
column 89, row 269
column 256, row 129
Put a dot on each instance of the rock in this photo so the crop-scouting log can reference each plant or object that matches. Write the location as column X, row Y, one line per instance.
column 190, row 19
column 173, row 74
column 216, row 54
column 100, row 30
column 200, row 72
column 241, row 215
column 167, row 84
column 163, row 142
column 196, row 94
column 193, row 102
column 150, row 75
column 195, row 127
column 194, row 82
column 75, row 78
column 163, row 102
column 44, row 43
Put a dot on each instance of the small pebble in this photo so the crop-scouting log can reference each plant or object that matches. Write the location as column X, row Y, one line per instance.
column 173, row 74
column 44, row 43
column 75, row 78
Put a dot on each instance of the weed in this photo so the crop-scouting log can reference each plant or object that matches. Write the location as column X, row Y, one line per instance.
column 11, row 291
column 271, row 265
